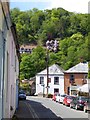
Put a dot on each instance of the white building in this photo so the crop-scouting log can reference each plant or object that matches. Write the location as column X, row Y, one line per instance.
column 56, row 80
column 9, row 63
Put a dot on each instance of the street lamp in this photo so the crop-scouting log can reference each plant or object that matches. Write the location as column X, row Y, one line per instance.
column 51, row 45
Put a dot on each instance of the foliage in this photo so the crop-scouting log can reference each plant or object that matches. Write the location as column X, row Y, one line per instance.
column 36, row 26
column 50, row 95
column 33, row 63
column 25, row 86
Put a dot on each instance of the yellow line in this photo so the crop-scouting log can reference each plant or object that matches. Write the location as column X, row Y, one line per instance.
column 31, row 110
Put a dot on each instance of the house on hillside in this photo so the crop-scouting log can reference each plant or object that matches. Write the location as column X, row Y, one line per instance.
column 75, row 77
column 26, row 48
column 9, row 63
column 55, row 82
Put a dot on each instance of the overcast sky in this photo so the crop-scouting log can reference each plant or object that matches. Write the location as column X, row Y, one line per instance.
column 79, row 6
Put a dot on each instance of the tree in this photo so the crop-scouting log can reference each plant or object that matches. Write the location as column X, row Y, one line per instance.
column 33, row 63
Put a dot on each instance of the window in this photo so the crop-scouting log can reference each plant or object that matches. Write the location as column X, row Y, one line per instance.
column 85, row 76
column 68, row 90
column 41, row 80
column 56, row 80
column 56, row 90
column 71, row 78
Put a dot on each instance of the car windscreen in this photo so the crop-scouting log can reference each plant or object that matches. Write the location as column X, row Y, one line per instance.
column 83, row 98
column 63, row 95
column 21, row 92
column 70, row 97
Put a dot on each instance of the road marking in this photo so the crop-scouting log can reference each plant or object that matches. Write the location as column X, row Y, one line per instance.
column 31, row 110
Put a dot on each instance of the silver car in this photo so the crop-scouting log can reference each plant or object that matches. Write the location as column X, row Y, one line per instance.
column 87, row 106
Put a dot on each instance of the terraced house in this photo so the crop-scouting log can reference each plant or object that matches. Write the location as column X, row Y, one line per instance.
column 9, row 63
column 75, row 77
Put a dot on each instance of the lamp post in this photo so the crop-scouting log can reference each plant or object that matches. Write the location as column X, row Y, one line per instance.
column 52, row 46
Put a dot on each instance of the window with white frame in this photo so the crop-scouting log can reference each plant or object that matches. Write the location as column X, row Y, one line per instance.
column 41, row 80
column 56, row 80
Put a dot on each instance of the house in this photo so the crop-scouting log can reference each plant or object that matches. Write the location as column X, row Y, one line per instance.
column 32, row 83
column 55, row 83
column 9, row 63
column 75, row 77
column 26, row 48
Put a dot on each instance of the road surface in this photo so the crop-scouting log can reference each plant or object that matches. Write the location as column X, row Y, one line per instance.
column 46, row 108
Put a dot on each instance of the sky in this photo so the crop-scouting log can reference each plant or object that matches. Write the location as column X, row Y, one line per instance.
column 78, row 6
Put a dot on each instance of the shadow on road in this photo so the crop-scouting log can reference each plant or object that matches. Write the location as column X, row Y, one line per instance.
column 42, row 112
column 33, row 110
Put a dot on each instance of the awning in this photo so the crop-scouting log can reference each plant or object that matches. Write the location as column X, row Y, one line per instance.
column 84, row 88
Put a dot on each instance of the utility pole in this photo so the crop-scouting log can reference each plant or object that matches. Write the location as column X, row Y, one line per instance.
column 47, row 61
column 52, row 45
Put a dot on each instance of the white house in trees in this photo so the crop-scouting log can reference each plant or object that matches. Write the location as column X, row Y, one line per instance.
column 56, row 80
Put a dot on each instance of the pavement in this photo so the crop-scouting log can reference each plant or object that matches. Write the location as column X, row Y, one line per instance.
column 24, row 111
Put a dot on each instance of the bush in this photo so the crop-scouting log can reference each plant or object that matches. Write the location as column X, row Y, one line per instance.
column 50, row 95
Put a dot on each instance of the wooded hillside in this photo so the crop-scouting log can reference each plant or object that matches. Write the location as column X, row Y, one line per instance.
column 37, row 26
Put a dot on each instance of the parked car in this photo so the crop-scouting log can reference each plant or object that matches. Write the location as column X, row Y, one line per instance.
column 73, row 102
column 67, row 100
column 57, row 97
column 78, row 102
column 60, row 98
column 54, row 96
column 22, row 95
column 87, row 106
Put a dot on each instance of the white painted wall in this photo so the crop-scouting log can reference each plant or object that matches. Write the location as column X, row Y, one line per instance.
column 10, row 74
column 39, row 88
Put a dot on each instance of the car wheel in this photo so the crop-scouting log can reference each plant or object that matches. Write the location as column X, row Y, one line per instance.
column 85, row 109
column 65, row 104
column 76, row 107
column 70, row 106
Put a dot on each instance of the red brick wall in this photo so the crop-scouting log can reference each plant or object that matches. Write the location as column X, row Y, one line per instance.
column 78, row 80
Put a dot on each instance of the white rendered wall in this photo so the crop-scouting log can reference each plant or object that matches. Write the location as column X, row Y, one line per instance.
column 39, row 88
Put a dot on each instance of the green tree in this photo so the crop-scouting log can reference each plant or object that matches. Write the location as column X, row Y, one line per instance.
column 33, row 63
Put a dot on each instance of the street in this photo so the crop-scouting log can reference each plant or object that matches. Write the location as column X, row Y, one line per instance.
column 46, row 108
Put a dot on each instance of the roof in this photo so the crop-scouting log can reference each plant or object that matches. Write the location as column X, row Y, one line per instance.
column 79, row 68
column 33, row 78
column 54, row 69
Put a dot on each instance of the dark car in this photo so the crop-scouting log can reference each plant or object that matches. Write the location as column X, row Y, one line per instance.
column 78, row 102
column 67, row 100
column 22, row 95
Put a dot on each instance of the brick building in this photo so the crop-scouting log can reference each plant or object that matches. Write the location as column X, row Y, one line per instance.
column 75, row 77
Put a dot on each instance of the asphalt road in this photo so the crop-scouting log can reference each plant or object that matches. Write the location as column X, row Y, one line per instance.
column 46, row 108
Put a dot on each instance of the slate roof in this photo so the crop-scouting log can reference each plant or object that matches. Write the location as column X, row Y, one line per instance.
column 79, row 68
column 54, row 69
